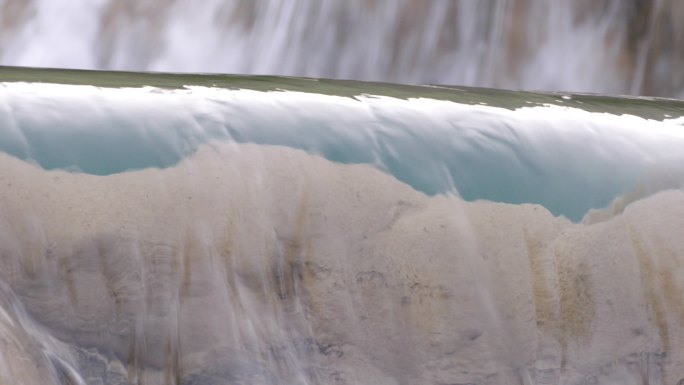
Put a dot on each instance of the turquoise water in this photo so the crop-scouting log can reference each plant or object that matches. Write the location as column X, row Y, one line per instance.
column 570, row 153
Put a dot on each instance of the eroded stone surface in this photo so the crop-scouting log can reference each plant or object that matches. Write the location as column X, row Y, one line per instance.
column 251, row 264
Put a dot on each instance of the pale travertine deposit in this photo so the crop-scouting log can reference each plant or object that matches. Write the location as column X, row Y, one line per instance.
column 249, row 264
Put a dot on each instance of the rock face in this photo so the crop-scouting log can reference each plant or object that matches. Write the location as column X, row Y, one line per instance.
column 249, row 264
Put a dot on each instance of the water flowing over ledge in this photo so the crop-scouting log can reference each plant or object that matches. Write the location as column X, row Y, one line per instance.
column 570, row 153
column 240, row 230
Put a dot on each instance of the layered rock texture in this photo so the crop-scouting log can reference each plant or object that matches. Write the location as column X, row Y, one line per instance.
column 251, row 264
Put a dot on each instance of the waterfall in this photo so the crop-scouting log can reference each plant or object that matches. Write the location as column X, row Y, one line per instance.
column 603, row 46
column 166, row 229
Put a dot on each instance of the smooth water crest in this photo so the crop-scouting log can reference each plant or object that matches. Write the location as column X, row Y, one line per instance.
column 206, row 229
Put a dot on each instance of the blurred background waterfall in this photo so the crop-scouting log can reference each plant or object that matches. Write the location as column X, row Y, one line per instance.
column 602, row 46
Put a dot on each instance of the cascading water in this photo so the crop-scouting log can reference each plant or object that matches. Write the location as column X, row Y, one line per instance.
column 604, row 46
column 205, row 230
column 195, row 229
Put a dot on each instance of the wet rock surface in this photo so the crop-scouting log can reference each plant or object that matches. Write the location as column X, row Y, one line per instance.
column 252, row 264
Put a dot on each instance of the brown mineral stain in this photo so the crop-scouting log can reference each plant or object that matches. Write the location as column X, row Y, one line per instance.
column 673, row 291
column 66, row 271
column 108, row 274
column 576, row 300
column 13, row 13
column 172, row 370
column 132, row 364
column 288, row 271
column 541, row 295
column 673, row 297
column 650, row 279
column 187, row 266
